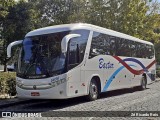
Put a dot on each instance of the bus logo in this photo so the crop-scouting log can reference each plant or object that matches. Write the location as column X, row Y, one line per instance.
column 105, row 65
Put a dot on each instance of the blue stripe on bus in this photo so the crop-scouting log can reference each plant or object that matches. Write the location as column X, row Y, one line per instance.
column 112, row 77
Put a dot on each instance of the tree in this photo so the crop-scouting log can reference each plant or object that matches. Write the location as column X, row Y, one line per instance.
column 53, row 12
column 21, row 19
column 4, row 4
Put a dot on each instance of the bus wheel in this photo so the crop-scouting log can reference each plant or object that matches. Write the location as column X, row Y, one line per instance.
column 143, row 83
column 93, row 91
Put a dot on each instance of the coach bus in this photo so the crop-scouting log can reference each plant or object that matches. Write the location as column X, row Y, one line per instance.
column 72, row 60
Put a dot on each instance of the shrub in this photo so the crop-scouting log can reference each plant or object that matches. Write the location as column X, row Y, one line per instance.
column 8, row 83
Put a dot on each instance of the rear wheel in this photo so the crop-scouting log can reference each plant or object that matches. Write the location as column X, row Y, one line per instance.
column 143, row 83
column 93, row 90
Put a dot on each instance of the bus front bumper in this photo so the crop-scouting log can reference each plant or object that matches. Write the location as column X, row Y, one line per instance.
column 58, row 92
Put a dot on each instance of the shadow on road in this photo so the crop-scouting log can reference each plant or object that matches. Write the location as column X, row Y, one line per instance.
column 119, row 92
column 47, row 105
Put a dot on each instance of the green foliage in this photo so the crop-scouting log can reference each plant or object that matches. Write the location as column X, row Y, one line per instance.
column 137, row 18
column 4, row 4
column 157, row 52
column 21, row 19
column 7, row 83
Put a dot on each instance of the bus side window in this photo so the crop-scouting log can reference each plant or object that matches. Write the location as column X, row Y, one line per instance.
column 95, row 46
column 150, row 51
column 102, row 44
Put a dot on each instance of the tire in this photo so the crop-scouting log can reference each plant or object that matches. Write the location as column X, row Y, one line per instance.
column 143, row 83
column 93, row 91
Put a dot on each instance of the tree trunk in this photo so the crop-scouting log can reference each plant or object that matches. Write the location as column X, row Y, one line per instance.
column 5, row 55
column 5, row 67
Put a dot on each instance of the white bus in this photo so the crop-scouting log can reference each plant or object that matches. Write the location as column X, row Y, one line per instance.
column 71, row 60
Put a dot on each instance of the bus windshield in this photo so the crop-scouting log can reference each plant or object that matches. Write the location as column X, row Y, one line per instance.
column 41, row 56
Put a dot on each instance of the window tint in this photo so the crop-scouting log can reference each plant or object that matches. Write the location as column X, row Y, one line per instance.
column 123, row 47
column 142, row 51
column 77, row 47
column 73, row 52
column 103, row 44
column 150, row 51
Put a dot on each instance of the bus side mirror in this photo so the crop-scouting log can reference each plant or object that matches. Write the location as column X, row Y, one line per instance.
column 65, row 40
column 9, row 48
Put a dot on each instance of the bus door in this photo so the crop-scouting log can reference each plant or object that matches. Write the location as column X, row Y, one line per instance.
column 74, row 71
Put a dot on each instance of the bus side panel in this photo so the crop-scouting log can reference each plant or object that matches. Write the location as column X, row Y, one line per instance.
column 77, row 84
column 91, row 70
column 151, row 71
column 115, row 74
column 138, row 64
column 131, row 78
column 73, row 82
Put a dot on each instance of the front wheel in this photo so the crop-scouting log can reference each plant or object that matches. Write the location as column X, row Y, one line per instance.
column 93, row 91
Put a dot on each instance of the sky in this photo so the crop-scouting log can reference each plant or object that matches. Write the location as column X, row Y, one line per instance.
column 157, row 0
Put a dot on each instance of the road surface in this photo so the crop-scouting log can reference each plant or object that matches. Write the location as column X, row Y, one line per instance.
column 119, row 100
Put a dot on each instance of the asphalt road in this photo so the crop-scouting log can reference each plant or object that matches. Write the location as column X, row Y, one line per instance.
column 119, row 100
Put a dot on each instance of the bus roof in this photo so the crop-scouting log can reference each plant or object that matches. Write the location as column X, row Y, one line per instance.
column 66, row 27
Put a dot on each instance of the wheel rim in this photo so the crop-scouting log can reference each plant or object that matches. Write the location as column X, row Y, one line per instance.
column 93, row 90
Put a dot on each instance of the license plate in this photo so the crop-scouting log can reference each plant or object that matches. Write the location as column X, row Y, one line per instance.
column 35, row 94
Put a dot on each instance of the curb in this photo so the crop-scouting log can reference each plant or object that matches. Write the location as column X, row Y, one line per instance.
column 12, row 103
